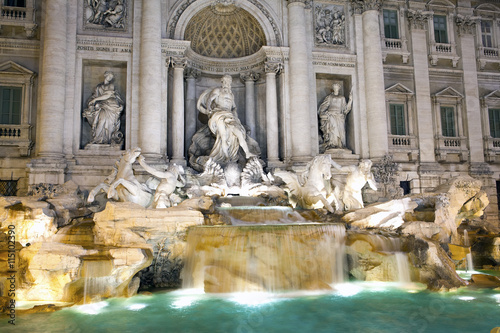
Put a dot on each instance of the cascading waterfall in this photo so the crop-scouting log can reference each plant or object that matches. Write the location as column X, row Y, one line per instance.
column 468, row 257
column 95, row 272
column 265, row 257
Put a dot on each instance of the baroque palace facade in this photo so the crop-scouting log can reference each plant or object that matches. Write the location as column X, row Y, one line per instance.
column 422, row 79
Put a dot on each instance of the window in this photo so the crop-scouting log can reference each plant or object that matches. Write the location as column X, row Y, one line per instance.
column 494, row 117
column 10, row 105
column 448, row 121
column 440, row 30
column 487, row 33
column 391, row 24
column 397, row 114
column 15, row 3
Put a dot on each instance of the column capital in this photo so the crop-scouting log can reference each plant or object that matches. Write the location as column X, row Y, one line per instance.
column 361, row 6
column 466, row 24
column 177, row 62
column 297, row 2
column 273, row 67
column 418, row 18
column 249, row 76
column 192, row 73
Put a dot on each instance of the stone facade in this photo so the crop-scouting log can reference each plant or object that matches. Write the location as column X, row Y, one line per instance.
column 425, row 77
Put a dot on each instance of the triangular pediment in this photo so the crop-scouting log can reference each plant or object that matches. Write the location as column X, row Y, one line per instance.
column 449, row 92
column 495, row 95
column 441, row 3
column 398, row 88
column 10, row 67
column 488, row 7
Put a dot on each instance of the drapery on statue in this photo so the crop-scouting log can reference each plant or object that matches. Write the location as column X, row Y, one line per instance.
column 223, row 123
column 103, row 112
column 332, row 113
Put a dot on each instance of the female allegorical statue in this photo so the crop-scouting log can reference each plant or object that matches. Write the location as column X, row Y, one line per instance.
column 103, row 112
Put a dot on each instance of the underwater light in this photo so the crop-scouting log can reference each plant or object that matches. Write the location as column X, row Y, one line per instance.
column 92, row 309
column 348, row 289
column 183, row 302
column 466, row 298
column 251, row 299
column 136, row 307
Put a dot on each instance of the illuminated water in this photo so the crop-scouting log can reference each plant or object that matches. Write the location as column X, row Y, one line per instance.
column 353, row 308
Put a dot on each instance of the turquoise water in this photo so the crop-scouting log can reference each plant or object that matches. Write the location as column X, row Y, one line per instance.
column 353, row 308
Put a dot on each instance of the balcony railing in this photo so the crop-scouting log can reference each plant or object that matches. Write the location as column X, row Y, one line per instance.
column 492, row 148
column 17, row 136
column 18, row 16
column 451, row 145
column 487, row 55
column 395, row 46
column 443, row 51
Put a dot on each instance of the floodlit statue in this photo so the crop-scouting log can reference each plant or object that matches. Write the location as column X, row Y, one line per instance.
column 170, row 180
column 122, row 185
column 312, row 190
column 357, row 177
column 114, row 15
column 103, row 112
column 332, row 113
column 224, row 135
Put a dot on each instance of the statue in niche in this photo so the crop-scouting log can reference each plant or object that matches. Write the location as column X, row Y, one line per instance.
column 330, row 25
column 103, row 112
column 349, row 195
column 332, row 113
column 109, row 13
column 224, row 127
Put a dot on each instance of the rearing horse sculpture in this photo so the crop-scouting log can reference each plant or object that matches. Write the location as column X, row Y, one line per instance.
column 313, row 190
column 122, row 185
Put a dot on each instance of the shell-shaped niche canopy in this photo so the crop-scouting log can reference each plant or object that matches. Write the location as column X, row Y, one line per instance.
column 224, row 30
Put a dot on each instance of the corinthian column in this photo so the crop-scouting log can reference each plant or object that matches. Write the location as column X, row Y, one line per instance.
column 190, row 112
column 249, row 79
column 150, row 80
column 374, row 77
column 299, row 82
column 53, row 81
column 178, row 65
column 272, row 68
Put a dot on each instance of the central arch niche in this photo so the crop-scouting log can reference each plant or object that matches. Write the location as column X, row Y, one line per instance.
column 224, row 31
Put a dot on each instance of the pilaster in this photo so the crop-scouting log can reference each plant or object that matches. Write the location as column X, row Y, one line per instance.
column 190, row 112
column 418, row 23
column 249, row 79
column 272, row 68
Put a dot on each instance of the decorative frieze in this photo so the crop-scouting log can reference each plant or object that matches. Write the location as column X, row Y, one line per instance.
column 105, row 15
column 329, row 25
column 113, row 45
column 466, row 24
column 418, row 18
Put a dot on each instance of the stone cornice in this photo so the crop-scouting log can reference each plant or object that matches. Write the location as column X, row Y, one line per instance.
column 103, row 44
column 418, row 18
column 20, row 44
column 361, row 6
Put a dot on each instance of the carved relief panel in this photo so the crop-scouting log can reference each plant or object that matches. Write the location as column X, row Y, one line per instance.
column 105, row 14
column 329, row 25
